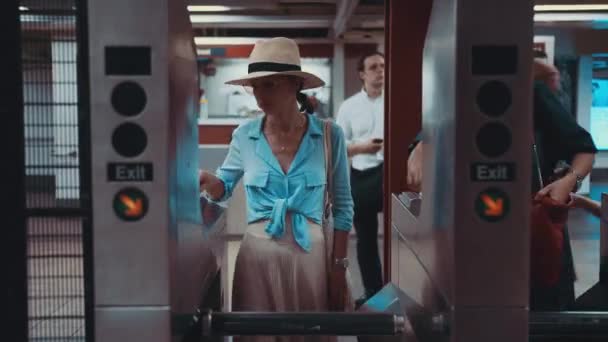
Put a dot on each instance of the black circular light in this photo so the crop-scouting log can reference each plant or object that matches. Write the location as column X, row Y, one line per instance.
column 129, row 140
column 493, row 139
column 494, row 98
column 128, row 98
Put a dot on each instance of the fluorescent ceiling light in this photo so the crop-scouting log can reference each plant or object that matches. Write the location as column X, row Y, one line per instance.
column 23, row 8
column 201, row 42
column 208, row 8
column 571, row 8
column 225, row 40
column 571, row 17
column 220, row 18
column 249, row 21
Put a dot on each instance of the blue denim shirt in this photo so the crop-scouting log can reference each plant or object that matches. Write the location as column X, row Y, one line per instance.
column 271, row 193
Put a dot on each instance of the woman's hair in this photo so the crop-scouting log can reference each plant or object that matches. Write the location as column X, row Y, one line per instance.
column 305, row 105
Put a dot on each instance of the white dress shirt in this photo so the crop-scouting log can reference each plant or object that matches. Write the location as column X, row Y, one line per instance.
column 362, row 119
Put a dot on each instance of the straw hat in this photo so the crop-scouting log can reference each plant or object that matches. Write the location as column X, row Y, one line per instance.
column 277, row 56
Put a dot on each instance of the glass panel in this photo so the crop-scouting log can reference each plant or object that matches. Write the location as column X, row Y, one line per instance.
column 56, row 229
column 55, row 279
column 50, row 104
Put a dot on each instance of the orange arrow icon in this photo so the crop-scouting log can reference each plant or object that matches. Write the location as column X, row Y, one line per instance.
column 134, row 208
column 493, row 207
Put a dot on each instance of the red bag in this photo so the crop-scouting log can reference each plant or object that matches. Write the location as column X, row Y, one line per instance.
column 548, row 220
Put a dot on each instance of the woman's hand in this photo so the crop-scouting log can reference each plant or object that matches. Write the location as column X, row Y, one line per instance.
column 594, row 207
column 414, row 169
column 210, row 184
column 559, row 190
column 337, row 289
column 204, row 178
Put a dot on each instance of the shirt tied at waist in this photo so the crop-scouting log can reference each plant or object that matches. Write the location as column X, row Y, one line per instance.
column 299, row 224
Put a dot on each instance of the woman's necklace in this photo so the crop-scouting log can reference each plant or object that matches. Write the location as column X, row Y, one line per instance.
column 301, row 122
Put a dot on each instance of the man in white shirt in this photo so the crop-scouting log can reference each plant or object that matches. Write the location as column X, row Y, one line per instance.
column 362, row 119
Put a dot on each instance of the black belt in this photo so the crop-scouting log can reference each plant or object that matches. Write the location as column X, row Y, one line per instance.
column 371, row 170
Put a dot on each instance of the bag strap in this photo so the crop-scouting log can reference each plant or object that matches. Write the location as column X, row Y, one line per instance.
column 328, row 165
column 539, row 173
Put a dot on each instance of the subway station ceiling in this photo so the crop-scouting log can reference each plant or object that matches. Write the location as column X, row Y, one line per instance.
column 302, row 19
column 316, row 20
column 356, row 20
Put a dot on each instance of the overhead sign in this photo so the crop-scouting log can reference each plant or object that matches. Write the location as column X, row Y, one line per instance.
column 492, row 205
column 493, row 172
column 130, row 172
column 130, row 204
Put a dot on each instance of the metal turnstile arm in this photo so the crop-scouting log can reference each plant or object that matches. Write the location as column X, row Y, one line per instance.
column 577, row 325
column 277, row 324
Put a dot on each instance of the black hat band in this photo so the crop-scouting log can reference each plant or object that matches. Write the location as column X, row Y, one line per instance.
column 271, row 66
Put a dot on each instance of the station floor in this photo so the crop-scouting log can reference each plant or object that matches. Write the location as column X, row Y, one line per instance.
column 56, row 296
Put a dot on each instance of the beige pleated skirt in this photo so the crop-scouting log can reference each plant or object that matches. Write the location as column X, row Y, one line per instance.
column 276, row 275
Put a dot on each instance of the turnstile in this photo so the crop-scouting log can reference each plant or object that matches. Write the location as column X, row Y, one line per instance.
column 155, row 260
column 158, row 246
column 464, row 258
column 588, row 323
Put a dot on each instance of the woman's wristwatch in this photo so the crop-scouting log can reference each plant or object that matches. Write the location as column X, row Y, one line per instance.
column 579, row 179
column 343, row 262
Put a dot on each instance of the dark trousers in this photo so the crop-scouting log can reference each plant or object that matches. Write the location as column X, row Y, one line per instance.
column 367, row 194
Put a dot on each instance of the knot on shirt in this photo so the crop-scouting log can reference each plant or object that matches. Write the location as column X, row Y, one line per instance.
column 299, row 224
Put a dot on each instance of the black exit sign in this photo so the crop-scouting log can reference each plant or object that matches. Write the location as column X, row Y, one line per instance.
column 130, row 172
column 493, row 172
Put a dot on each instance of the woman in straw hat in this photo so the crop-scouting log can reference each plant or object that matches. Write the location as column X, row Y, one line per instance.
column 282, row 265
